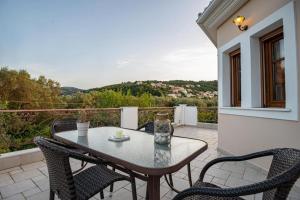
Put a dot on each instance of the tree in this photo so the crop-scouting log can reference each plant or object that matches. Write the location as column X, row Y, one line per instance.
column 20, row 91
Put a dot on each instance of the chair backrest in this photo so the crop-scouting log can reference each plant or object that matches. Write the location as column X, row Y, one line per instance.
column 59, row 169
column 60, row 125
column 285, row 161
column 149, row 128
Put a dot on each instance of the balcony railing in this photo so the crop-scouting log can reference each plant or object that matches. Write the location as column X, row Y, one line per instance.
column 208, row 114
column 148, row 113
column 19, row 127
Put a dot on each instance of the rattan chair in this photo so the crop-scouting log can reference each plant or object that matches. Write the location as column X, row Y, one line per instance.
column 68, row 124
column 149, row 128
column 60, row 125
column 283, row 173
column 83, row 185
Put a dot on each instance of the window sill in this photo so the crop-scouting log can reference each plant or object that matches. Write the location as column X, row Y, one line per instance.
column 260, row 109
column 270, row 113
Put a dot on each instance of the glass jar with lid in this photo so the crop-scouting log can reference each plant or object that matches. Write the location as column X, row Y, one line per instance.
column 162, row 129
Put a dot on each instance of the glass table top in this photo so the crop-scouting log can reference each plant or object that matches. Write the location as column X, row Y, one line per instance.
column 139, row 150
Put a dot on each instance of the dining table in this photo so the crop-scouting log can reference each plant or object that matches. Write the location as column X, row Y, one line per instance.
column 139, row 154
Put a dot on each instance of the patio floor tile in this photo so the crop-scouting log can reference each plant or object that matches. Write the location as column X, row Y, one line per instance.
column 16, row 188
column 16, row 197
column 26, row 175
column 5, row 179
column 31, row 192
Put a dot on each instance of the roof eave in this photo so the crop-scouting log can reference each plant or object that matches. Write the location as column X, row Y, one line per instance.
column 217, row 12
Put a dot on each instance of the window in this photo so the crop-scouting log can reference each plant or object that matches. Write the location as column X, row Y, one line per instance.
column 273, row 69
column 235, row 77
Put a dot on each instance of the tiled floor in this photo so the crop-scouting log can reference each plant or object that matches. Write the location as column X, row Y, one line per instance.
column 31, row 181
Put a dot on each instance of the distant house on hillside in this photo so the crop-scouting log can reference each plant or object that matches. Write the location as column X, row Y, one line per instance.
column 172, row 95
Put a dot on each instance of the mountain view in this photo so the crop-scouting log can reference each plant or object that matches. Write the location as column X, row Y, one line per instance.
column 174, row 88
column 24, row 92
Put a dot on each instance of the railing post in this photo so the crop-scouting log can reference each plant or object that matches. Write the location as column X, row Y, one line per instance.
column 129, row 117
column 191, row 115
column 179, row 113
column 186, row 115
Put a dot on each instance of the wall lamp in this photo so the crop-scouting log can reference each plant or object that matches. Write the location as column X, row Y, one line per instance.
column 238, row 21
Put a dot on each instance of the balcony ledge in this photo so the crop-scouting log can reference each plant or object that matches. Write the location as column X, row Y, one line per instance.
column 17, row 158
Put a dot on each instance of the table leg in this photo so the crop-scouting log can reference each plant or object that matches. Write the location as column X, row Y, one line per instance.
column 154, row 187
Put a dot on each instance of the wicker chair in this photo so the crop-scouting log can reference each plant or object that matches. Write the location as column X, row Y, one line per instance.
column 60, row 125
column 83, row 185
column 283, row 173
column 68, row 124
column 149, row 128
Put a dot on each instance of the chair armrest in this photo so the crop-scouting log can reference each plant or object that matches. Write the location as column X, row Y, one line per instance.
column 266, row 185
column 172, row 130
column 142, row 126
column 236, row 158
column 76, row 155
column 86, row 158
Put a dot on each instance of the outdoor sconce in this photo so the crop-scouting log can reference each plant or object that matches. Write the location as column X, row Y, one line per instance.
column 238, row 21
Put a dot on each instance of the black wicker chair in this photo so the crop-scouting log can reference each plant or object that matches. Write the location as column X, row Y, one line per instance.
column 60, row 125
column 149, row 128
column 283, row 173
column 68, row 124
column 83, row 185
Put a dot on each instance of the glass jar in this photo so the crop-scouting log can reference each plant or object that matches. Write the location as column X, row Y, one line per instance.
column 162, row 129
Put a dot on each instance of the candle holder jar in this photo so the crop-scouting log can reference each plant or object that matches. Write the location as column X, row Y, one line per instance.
column 162, row 129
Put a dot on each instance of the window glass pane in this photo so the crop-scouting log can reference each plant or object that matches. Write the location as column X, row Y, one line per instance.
column 278, row 81
column 278, row 49
column 281, row 51
column 235, row 61
column 239, row 79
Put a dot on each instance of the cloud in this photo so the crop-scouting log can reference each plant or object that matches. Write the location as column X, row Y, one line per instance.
column 125, row 62
column 183, row 55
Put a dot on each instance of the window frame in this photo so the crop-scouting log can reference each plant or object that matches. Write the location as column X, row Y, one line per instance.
column 266, row 42
column 235, row 84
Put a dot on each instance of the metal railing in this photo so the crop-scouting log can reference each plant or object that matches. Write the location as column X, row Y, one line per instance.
column 208, row 114
column 19, row 127
column 148, row 113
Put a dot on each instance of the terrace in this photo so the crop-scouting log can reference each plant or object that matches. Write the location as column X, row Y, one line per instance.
column 29, row 178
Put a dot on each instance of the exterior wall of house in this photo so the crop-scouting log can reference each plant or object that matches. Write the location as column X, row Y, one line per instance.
column 243, row 134
column 254, row 11
column 240, row 135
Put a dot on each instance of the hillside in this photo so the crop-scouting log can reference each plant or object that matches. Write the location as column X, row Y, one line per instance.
column 174, row 88
column 70, row 90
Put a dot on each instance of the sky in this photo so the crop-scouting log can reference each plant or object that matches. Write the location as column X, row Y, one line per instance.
column 92, row 43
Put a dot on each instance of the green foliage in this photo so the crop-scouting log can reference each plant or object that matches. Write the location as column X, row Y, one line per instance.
column 18, row 129
column 208, row 115
column 131, row 88
column 20, row 91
